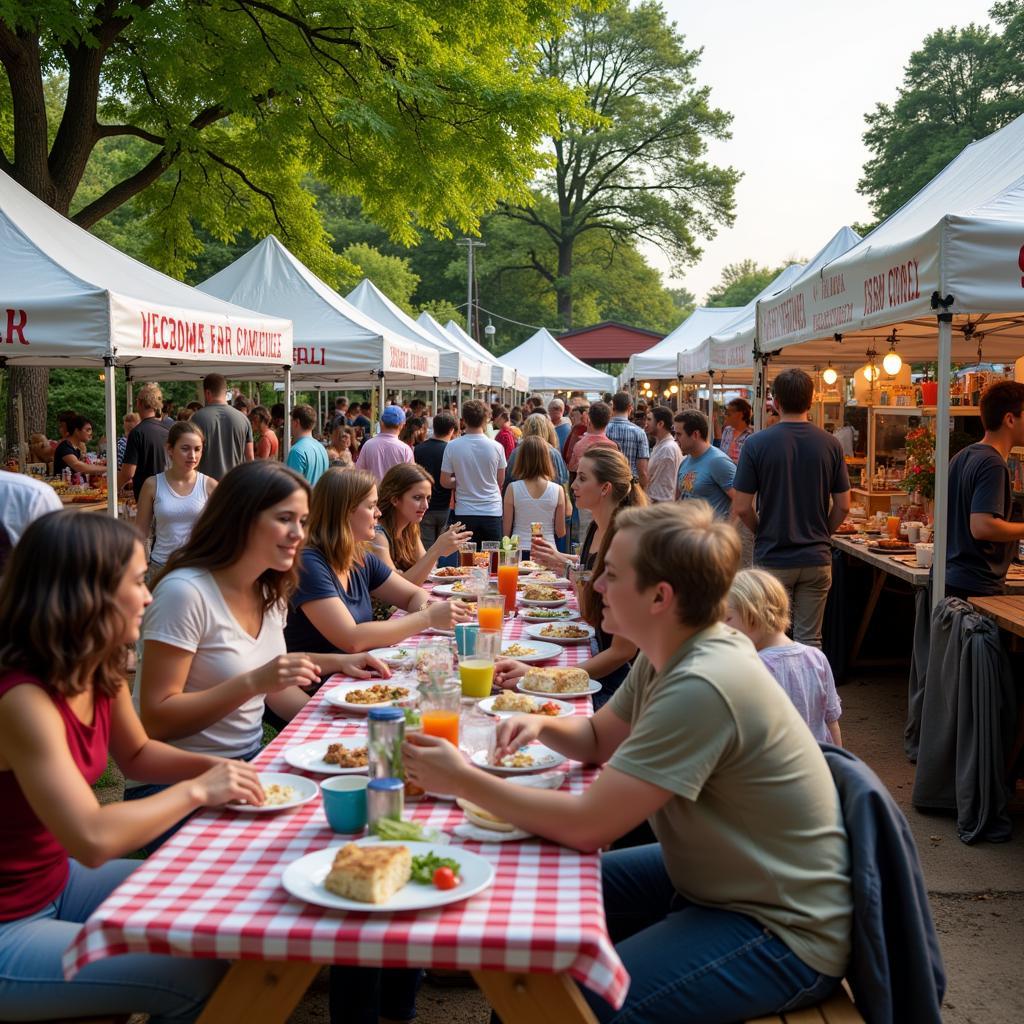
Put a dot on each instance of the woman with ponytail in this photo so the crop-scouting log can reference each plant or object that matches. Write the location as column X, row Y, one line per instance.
column 604, row 485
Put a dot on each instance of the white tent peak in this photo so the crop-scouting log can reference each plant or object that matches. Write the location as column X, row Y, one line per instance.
column 371, row 300
column 550, row 366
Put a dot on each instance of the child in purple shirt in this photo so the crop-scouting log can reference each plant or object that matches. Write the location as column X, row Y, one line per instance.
column 759, row 608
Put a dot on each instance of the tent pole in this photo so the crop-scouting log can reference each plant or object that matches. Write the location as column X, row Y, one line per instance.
column 129, row 400
column 383, row 393
column 110, row 396
column 942, row 457
column 287, row 412
column 436, row 409
column 759, row 391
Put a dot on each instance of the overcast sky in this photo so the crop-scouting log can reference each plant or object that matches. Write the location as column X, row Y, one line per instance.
column 798, row 77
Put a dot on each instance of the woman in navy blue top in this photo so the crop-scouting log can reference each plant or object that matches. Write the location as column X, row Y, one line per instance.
column 332, row 610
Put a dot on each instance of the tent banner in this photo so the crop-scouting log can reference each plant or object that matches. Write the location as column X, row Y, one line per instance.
column 694, row 361
column 418, row 360
column 34, row 330
column 143, row 330
column 522, row 383
column 877, row 288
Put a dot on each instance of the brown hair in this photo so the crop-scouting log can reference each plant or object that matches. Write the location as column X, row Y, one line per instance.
column 474, row 413
column 600, row 413
column 180, row 429
column 58, row 616
column 610, row 466
column 397, row 480
column 1005, row 396
column 337, row 492
column 685, row 545
column 793, row 390
column 304, row 416
column 221, row 533
column 150, row 397
column 533, row 459
column 350, row 433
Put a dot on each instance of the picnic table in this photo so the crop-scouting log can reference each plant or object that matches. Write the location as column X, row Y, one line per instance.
column 888, row 567
column 214, row 890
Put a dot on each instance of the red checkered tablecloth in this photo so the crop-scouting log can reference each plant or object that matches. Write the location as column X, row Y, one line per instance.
column 214, row 890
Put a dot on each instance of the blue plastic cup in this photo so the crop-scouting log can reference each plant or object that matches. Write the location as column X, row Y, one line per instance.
column 465, row 638
column 345, row 803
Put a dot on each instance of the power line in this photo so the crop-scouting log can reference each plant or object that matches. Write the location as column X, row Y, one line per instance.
column 498, row 316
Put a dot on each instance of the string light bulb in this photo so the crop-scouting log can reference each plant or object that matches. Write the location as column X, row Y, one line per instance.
column 870, row 372
column 892, row 363
column 674, row 389
column 647, row 386
column 829, row 375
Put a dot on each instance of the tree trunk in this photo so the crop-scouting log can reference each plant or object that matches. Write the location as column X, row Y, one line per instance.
column 32, row 383
column 563, row 286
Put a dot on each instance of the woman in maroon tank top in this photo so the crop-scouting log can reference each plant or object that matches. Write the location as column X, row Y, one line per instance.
column 71, row 603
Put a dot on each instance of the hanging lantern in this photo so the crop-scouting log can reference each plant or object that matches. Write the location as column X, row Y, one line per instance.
column 892, row 363
column 674, row 389
column 829, row 375
column 646, row 386
column 870, row 372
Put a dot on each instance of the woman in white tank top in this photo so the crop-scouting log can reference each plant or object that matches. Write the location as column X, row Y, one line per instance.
column 173, row 499
column 534, row 496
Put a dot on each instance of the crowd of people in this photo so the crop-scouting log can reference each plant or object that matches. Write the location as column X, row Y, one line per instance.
column 267, row 576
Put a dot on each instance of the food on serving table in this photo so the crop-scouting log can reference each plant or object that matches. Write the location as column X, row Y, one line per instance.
column 442, row 871
column 556, row 680
column 518, row 651
column 476, row 815
column 509, row 700
column 543, row 577
column 846, row 527
column 346, row 757
column 275, row 795
column 530, row 566
column 369, row 874
column 548, row 613
column 451, row 572
column 891, row 542
column 564, row 632
column 538, row 592
column 379, row 693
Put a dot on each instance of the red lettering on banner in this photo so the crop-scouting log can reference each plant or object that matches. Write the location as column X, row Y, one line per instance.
column 787, row 317
column 874, row 294
column 305, row 356
column 170, row 335
column 903, row 283
column 1020, row 263
column 832, row 286
column 16, row 321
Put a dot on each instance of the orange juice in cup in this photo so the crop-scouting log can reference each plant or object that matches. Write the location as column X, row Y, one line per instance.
column 439, row 709
column 892, row 526
column 443, row 723
column 490, row 609
column 508, row 577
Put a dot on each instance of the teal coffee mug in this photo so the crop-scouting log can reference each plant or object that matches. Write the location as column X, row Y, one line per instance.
column 345, row 803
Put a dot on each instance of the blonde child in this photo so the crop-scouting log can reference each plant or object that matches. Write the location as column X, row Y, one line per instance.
column 759, row 608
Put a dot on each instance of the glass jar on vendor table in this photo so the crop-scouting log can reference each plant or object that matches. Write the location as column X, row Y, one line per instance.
column 439, row 708
column 476, row 670
column 508, row 577
column 466, row 553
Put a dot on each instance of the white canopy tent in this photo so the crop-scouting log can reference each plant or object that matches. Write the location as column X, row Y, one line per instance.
column 660, row 361
column 455, row 367
column 431, row 326
column 941, row 278
column 502, row 375
column 69, row 299
column 551, row 367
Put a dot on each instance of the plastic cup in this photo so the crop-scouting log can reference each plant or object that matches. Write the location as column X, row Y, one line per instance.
column 490, row 609
column 465, row 638
column 476, row 676
column 344, row 800
column 892, row 526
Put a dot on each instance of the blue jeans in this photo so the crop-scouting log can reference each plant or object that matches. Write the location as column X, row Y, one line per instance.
column 691, row 964
column 32, row 986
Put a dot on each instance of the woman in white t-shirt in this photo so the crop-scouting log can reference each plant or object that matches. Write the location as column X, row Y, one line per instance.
column 534, row 496
column 213, row 649
column 175, row 498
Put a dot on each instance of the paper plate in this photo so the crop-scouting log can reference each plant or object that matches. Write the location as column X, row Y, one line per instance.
column 595, row 687
column 304, row 879
column 395, row 657
column 445, row 590
column 338, row 696
column 544, row 760
column 487, row 706
column 530, row 615
column 305, row 790
column 535, row 632
column 309, row 757
column 542, row 651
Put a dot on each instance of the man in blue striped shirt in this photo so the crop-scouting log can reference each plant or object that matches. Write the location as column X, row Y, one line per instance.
column 631, row 439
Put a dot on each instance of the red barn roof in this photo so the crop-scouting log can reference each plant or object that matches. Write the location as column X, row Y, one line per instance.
column 608, row 342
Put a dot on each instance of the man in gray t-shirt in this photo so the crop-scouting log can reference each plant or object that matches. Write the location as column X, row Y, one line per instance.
column 227, row 432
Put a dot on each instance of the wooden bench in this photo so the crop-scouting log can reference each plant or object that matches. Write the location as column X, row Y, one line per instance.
column 837, row 1009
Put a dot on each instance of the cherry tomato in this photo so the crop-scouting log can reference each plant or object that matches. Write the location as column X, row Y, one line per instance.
column 445, row 878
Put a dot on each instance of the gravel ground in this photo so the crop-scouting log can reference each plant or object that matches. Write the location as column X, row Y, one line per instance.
column 976, row 892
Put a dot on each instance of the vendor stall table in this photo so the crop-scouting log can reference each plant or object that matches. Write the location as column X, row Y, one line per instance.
column 899, row 567
column 214, row 890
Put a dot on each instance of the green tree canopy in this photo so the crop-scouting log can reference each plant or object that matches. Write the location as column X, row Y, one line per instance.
column 631, row 167
column 961, row 85
column 741, row 282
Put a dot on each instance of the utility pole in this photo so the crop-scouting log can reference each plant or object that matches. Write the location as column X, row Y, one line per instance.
column 470, row 244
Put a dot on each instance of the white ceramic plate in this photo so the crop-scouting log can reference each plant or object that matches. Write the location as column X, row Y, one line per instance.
column 541, row 651
column 395, row 657
column 595, row 687
column 309, row 757
column 543, row 757
column 530, row 603
column 434, row 631
column 545, row 780
column 338, row 696
column 487, row 706
column 558, row 581
column 304, row 791
column 304, row 879
column 534, row 633
column 527, row 566
column 445, row 590
column 530, row 615
column 478, row 834
column 434, row 578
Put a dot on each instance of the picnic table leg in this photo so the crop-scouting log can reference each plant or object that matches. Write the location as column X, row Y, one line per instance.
column 258, row 992
column 534, row 998
column 869, row 610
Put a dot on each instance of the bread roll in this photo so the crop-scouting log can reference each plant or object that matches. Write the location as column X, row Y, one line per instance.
column 556, row 680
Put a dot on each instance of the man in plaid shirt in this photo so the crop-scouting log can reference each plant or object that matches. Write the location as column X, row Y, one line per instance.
column 631, row 439
column 737, row 427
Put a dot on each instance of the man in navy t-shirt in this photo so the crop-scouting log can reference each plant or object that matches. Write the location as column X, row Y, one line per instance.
column 981, row 539
column 795, row 469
